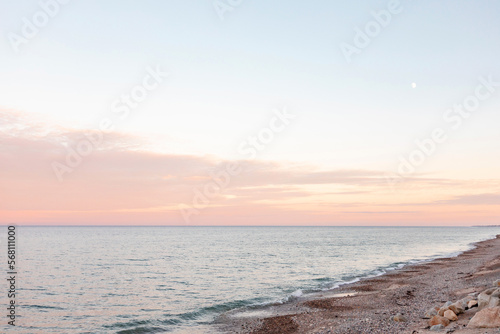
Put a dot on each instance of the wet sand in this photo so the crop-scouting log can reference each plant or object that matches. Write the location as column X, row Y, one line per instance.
column 369, row 305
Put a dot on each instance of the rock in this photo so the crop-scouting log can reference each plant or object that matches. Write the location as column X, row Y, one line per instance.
column 489, row 298
column 450, row 315
column 486, row 318
column 483, row 298
column 443, row 309
column 465, row 300
column 399, row 318
column 460, row 307
column 448, row 303
column 437, row 328
column 497, row 283
column 430, row 313
column 472, row 303
column 453, row 308
column 439, row 320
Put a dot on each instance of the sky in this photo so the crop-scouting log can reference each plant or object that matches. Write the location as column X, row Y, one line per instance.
column 237, row 112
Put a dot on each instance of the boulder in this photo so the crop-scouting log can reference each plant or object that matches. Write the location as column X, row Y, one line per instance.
column 442, row 310
column 399, row 318
column 454, row 308
column 450, row 315
column 466, row 300
column 460, row 307
column 486, row 318
column 489, row 298
column 437, row 328
column 439, row 320
column 472, row 303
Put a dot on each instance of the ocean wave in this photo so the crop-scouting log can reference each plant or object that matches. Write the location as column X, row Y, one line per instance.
column 143, row 330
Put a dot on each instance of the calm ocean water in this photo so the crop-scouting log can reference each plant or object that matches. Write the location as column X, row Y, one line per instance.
column 178, row 279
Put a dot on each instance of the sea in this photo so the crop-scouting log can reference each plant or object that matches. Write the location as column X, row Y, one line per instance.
column 128, row 280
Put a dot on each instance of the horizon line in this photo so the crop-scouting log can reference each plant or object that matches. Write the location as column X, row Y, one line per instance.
column 98, row 225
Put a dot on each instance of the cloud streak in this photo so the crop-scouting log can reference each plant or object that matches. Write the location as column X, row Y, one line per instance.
column 123, row 182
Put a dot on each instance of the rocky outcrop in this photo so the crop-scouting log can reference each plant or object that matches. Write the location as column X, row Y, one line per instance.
column 486, row 318
column 487, row 303
column 489, row 298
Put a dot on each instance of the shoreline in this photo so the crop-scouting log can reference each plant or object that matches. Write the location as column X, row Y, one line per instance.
column 369, row 304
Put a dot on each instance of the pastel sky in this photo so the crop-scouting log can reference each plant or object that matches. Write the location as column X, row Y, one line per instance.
column 246, row 112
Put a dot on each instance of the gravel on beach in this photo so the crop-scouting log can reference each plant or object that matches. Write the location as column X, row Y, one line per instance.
column 370, row 305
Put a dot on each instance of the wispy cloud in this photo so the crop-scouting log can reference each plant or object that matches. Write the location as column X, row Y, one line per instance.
column 477, row 199
column 122, row 177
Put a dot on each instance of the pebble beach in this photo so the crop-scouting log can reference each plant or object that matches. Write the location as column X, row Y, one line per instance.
column 416, row 299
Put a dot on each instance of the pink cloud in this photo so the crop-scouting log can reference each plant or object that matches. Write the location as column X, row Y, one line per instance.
column 121, row 182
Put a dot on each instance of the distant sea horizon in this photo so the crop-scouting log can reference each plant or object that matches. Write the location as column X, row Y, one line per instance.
column 194, row 225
